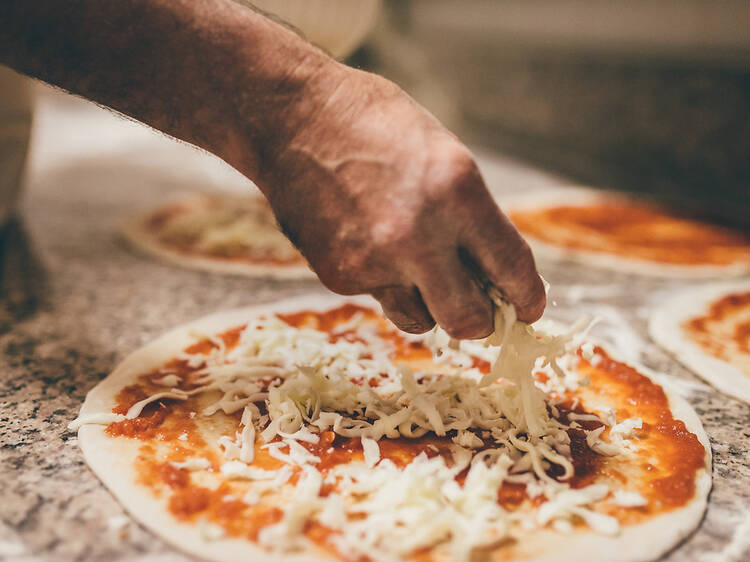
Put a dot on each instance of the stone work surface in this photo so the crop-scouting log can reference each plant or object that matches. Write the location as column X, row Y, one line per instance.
column 75, row 301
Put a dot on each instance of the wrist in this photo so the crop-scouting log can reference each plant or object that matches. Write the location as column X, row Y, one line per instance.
column 278, row 85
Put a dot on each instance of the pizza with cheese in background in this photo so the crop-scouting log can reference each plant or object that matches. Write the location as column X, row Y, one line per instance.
column 708, row 330
column 218, row 232
column 620, row 233
column 311, row 429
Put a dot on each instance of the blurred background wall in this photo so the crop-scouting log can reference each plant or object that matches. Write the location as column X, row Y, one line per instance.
column 645, row 96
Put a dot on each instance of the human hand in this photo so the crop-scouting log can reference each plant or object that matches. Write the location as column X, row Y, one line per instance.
column 378, row 196
column 382, row 199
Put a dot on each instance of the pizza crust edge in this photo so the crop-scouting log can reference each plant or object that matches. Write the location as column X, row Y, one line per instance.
column 665, row 329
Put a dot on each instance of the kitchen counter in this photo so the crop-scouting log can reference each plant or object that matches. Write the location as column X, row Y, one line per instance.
column 74, row 301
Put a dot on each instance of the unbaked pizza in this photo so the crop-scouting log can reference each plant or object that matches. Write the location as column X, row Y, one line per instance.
column 622, row 234
column 219, row 232
column 708, row 330
column 312, row 429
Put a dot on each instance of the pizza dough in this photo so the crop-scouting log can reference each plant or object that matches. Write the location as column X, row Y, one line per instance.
column 176, row 463
column 614, row 232
column 218, row 232
column 708, row 330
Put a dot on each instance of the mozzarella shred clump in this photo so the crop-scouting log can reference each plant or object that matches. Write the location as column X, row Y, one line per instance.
column 229, row 225
column 292, row 384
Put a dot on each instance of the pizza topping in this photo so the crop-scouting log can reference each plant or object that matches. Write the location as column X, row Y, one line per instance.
column 211, row 531
column 623, row 498
column 724, row 330
column 225, row 227
column 623, row 433
column 237, row 469
column 634, row 230
column 389, row 458
column 570, row 503
column 167, row 380
column 596, row 444
column 371, row 451
column 192, row 464
column 136, row 409
column 94, row 419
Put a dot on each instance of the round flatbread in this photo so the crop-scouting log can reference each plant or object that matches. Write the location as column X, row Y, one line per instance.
column 619, row 233
column 311, row 429
column 708, row 330
column 219, row 232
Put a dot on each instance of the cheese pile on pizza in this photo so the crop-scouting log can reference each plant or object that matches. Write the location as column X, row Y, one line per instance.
column 218, row 232
column 312, row 429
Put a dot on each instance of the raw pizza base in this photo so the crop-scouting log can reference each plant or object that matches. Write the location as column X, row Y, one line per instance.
column 112, row 461
column 665, row 328
column 577, row 196
column 140, row 238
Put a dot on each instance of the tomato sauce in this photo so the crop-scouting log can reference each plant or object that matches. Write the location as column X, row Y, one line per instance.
column 669, row 482
column 169, row 431
column 724, row 331
column 334, row 449
column 635, row 230
column 326, row 321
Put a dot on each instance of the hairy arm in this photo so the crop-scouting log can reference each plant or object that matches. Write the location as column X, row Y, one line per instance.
column 378, row 196
column 190, row 68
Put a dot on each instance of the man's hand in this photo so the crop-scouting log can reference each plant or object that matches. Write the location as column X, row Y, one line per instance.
column 379, row 197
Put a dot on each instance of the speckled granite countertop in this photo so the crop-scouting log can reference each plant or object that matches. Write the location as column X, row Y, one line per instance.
column 74, row 302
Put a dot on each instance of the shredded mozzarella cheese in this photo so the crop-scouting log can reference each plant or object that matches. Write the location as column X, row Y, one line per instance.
column 625, row 498
column 95, row 419
column 371, row 451
column 291, row 384
column 193, row 464
column 229, row 226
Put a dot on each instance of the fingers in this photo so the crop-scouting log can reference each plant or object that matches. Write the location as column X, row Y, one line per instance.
column 506, row 259
column 491, row 239
column 405, row 308
column 454, row 299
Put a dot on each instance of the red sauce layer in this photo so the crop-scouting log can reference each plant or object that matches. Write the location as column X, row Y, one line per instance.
column 671, row 455
column 635, row 230
column 725, row 328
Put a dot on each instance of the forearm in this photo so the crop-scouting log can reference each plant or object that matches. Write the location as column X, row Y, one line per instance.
column 210, row 72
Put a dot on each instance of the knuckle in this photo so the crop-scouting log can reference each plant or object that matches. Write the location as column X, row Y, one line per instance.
column 357, row 269
column 404, row 310
column 470, row 326
column 455, row 173
column 335, row 283
column 347, row 267
column 413, row 326
column 337, row 279
column 393, row 234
